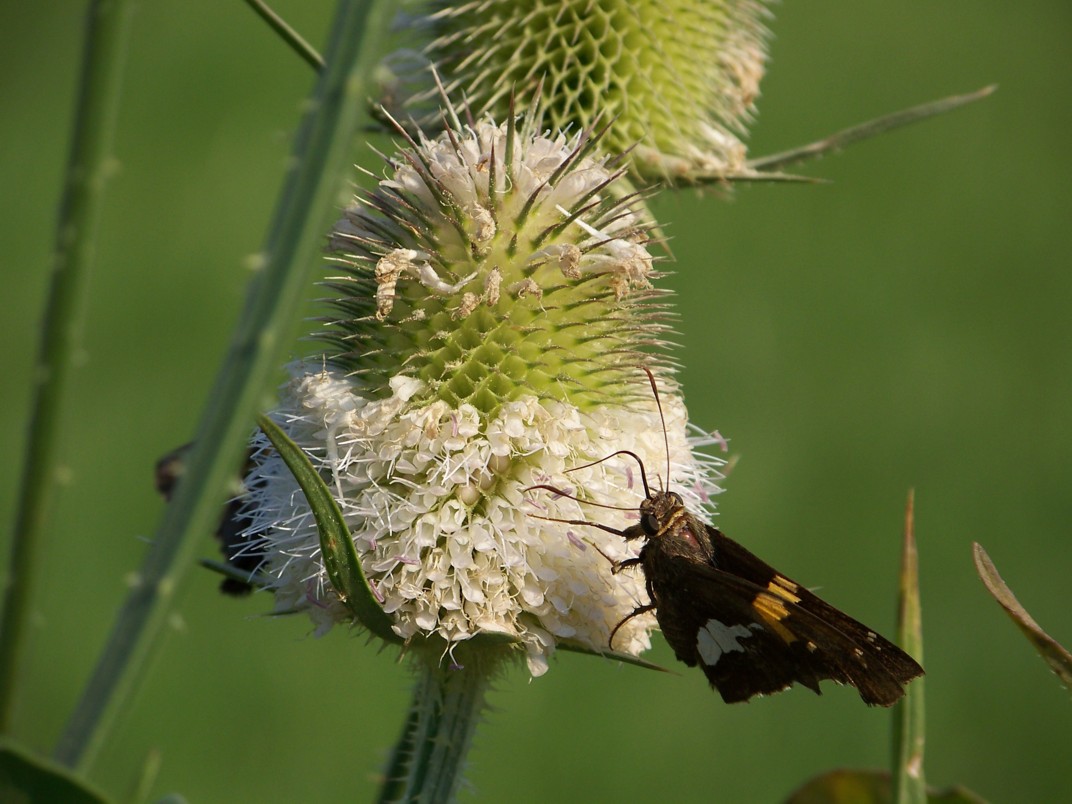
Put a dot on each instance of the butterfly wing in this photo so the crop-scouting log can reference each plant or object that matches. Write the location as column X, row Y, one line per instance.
column 754, row 631
column 734, row 559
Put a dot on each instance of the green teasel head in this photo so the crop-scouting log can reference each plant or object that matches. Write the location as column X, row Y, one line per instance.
column 678, row 80
column 493, row 311
column 494, row 263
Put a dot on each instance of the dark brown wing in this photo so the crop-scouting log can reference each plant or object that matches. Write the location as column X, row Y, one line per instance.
column 754, row 631
column 734, row 559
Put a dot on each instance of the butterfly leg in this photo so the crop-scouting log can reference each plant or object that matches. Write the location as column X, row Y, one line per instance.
column 636, row 612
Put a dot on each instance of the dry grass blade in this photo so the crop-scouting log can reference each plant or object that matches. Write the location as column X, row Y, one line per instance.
column 1059, row 659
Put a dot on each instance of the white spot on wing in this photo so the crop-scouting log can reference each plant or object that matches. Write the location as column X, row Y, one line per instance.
column 715, row 638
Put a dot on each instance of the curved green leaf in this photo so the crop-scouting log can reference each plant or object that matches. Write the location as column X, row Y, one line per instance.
column 29, row 779
column 336, row 545
column 576, row 647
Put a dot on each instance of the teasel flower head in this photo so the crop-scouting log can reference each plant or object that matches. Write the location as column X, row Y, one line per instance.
column 679, row 79
column 491, row 316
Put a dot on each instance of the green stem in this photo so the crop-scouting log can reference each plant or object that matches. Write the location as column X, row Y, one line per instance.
column 427, row 762
column 318, row 176
column 396, row 776
column 909, row 784
column 88, row 169
column 294, row 39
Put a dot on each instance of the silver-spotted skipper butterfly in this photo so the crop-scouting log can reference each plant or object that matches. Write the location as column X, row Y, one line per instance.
column 752, row 630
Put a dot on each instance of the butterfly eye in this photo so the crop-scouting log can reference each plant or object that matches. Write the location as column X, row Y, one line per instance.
column 650, row 524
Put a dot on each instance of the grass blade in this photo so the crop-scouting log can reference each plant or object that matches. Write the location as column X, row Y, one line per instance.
column 1055, row 655
column 909, row 784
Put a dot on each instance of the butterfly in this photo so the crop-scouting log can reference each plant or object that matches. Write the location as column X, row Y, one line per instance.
column 750, row 628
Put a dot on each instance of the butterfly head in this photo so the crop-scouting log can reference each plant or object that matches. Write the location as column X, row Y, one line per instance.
column 659, row 511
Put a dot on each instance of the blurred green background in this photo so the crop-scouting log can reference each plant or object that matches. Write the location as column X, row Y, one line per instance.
column 908, row 325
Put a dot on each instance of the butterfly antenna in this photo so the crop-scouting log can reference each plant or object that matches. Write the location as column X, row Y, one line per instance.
column 631, row 454
column 662, row 418
column 568, row 496
column 586, row 523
